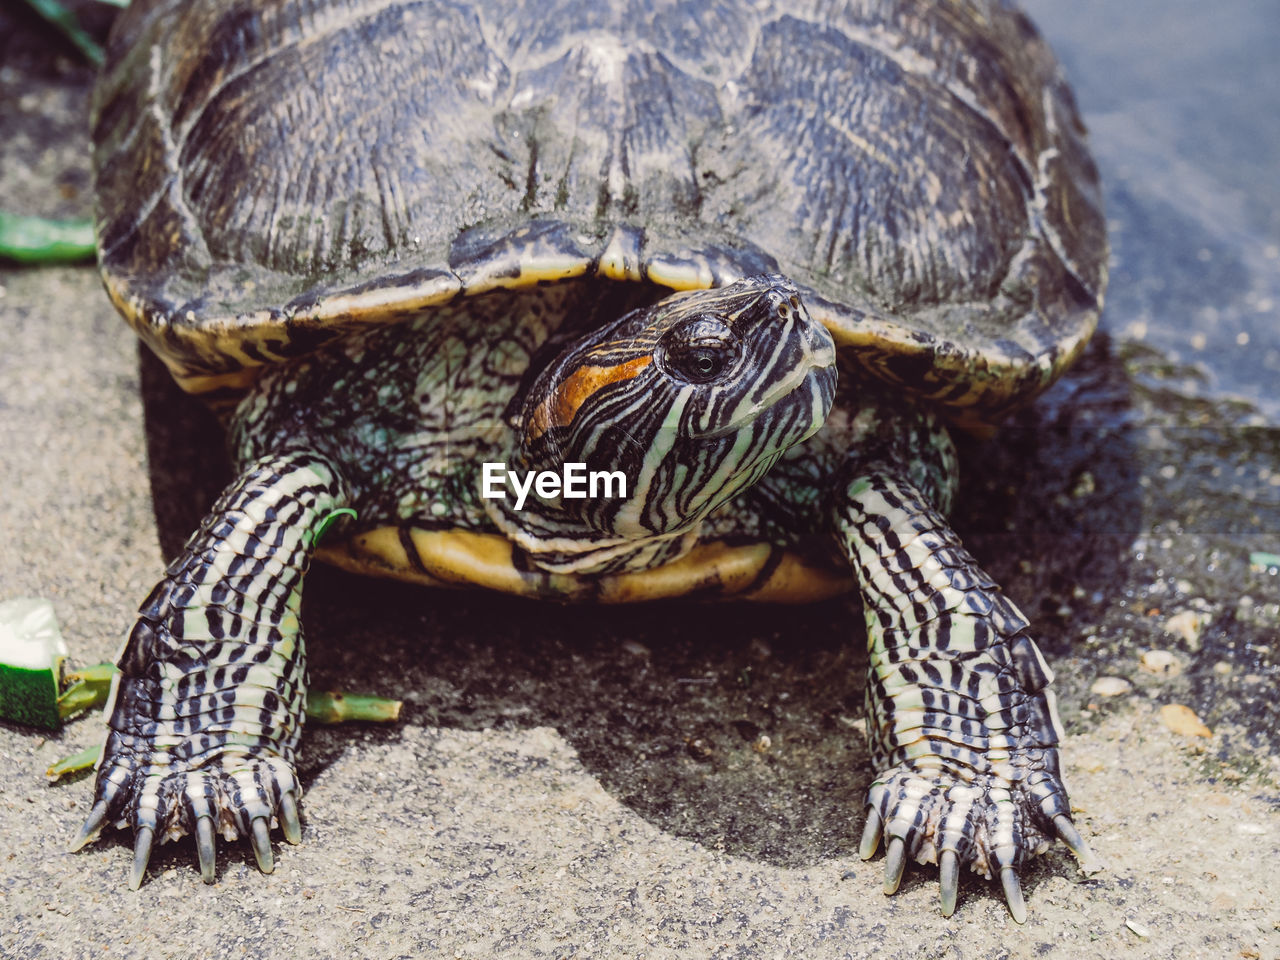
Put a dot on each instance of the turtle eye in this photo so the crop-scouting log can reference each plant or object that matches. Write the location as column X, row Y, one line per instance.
column 698, row 350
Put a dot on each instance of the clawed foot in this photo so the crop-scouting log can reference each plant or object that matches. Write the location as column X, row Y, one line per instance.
column 984, row 824
column 206, row 713
column 233, row 795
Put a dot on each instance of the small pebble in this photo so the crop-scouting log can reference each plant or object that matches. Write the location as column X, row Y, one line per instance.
column 1183, row 720
column 1110, row 686
column 1085, row 486
column 1139, row 929
column 1188, row 625
column 1161, row 662
column 700, row 749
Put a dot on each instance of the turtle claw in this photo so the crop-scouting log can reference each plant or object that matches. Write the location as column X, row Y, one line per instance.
column 206, row 849
column 895, row 861
column 289, row 818
column 981, row 823
column 1013, row 894
column 1069, row 835
column 870, row 835
column 141, row 856
column 92, row 826
column 260, row 838
column 948, row 881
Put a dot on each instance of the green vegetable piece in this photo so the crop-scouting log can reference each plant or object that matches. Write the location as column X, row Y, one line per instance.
column 92, row 685
column 31, row 655
column 329, row 520
column 75, row 763
column 79, row 699
column 39, row 240
column 331, row 707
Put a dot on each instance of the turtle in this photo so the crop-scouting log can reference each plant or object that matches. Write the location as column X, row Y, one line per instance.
column 597, row 302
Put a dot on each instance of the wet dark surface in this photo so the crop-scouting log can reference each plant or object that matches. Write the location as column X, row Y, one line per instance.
column 1181, row 102
column 44, row 96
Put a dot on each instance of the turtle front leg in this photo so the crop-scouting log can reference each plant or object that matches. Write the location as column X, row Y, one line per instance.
column 206, row 713
column 963, row 728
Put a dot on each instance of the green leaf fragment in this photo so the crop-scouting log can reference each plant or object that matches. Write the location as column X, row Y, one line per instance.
column 333, row 707
column 62, row 18
column 329, row 520
column 1262, row 561
column 78, row 699
column 41, row 240
column 75, row 763
column 85, row 688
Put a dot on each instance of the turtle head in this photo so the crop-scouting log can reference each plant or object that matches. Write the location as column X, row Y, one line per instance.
column 683, row 403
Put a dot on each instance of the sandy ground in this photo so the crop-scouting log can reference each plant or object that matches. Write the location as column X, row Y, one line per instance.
column 583, row 783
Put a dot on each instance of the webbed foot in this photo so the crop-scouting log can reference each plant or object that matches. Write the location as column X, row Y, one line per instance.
column 986, row 824
column 235, row 796
column 962, row 723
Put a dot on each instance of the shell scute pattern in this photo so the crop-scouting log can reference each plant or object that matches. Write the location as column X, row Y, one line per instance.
column 620, row 140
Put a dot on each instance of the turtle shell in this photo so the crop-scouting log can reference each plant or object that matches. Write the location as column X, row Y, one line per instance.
column 271, row 175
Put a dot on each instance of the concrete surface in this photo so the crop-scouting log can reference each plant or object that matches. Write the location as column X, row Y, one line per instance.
column 583, row 782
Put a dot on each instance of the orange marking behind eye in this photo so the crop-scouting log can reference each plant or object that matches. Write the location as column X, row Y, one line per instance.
column 562, row 405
